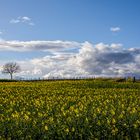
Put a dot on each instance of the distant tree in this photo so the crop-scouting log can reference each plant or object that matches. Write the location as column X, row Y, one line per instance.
column 134, row 79
column 11, row 68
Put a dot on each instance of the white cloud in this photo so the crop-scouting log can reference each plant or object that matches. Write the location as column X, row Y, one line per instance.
column 1, row 67
column 115, row 29
column 23, row 19
column 51, row 46
column 14, row 21
column 89, row 59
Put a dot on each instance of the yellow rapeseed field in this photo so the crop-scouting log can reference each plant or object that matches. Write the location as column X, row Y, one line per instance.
column 81, row 109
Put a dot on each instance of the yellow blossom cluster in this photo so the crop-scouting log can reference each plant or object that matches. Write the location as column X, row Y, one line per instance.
column 83, row 109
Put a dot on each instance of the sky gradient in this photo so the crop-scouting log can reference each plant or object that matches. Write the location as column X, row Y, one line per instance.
column 45, row 33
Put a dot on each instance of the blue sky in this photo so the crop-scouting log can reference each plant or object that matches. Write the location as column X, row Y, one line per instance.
column 96, row 21
column 78, row 20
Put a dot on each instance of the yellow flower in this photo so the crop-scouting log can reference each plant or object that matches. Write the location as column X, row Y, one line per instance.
column 122, row 105
column 73, row 129
column 99, row 122
column 135, row 125
column 67, row 130
column 86, row 119
column 26, row 117
column 51, row 119
column 133, row 110
column 138, row 122
column 108, row 121
column 113, row 121
column 98, row 110
column 15, row 115
column 71, row 108
column 114, row 131
column 121, row 116
column 112, row 112
column 46, row 127
column 76, row 111
column 40, row 114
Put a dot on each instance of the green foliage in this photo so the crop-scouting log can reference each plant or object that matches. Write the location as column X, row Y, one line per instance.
column 84, row 109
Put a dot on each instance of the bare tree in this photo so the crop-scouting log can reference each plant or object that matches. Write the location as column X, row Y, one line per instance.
column 11, row 68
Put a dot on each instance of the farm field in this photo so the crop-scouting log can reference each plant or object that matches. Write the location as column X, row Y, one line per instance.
column 80, row 109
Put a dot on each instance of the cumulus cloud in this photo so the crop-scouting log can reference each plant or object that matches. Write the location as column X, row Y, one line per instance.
column 23, row 19
column 91, row 60
column 115, row 29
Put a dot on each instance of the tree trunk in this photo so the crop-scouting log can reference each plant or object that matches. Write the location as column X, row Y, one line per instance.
column 134, row 79
column 11, row 75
